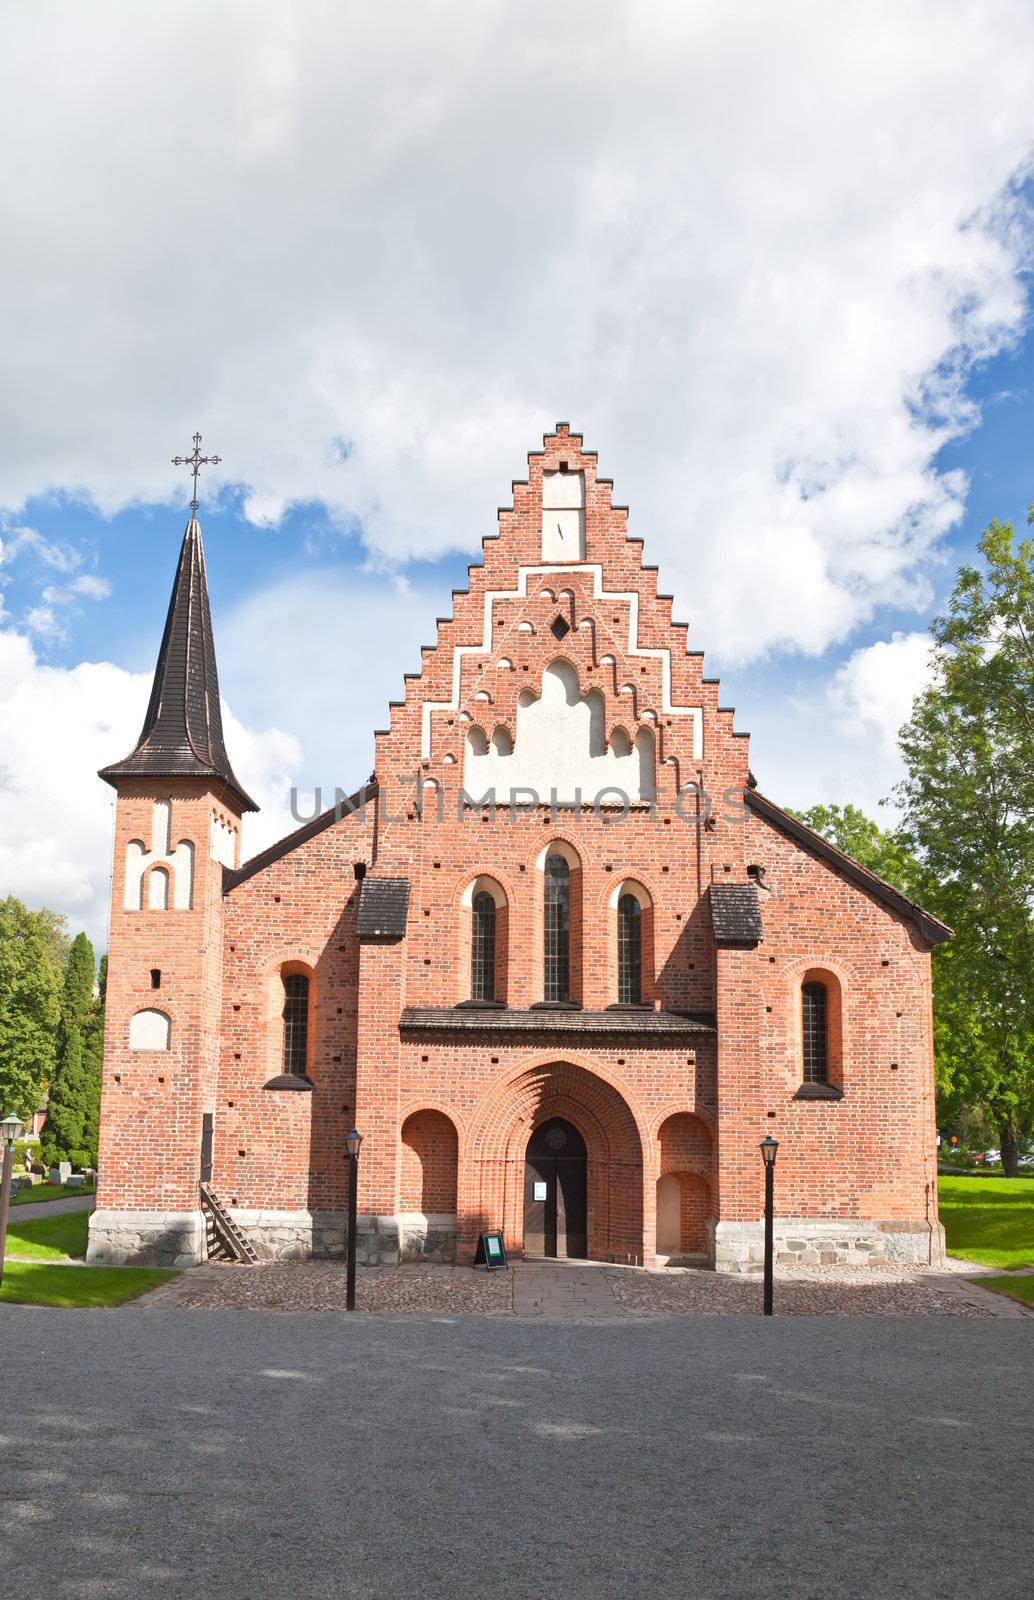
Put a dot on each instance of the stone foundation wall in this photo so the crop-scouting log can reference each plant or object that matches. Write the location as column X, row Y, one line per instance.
column 410, row 1236
column 146, row 1238
column 827, row 1242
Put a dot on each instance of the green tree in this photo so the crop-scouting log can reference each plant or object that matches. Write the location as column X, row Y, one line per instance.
column 93, row 1060
column 29, row 1008
column 968, row 804
column 64, row 1132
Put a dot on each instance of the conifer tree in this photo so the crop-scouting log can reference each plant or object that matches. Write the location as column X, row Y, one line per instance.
column 64, row 1130
column 93, row 1060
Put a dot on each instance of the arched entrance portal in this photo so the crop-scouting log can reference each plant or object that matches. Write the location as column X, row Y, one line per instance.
column 600, row 1126
column 555, row 1191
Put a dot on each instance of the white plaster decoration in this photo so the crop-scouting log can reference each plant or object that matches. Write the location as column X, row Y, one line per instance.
column 560, row 746
column 183, row 876
column 489, row 885
column 504, row 664
column 178, row 863
column 161, row 828
column 136, row 860
column 631, row 599
column 223, row 842
column 563, row 516
column 149, row 1030
column 158, row 890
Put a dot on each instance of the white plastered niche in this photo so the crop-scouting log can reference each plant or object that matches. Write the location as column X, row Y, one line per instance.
column 563, row 516
column 561, row 746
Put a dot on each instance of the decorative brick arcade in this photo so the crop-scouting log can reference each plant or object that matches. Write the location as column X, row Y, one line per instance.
column 560, row 899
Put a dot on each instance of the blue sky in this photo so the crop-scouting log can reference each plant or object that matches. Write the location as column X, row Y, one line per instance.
column 772, row 261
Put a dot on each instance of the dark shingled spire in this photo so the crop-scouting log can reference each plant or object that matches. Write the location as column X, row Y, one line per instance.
column 182, row 735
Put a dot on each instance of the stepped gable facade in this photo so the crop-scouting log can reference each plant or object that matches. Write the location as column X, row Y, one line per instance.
column 559, row 960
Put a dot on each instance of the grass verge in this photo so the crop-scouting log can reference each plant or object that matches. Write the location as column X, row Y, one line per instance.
column 59, row 1238
column 1021, row 1289
column 989, row 1220
column 27, row 1283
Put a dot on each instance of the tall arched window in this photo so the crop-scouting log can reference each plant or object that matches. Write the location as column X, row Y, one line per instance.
column 557, row 945
column 296, row 1024
column 815, row 1032
column 630, row 951
column 482, row 946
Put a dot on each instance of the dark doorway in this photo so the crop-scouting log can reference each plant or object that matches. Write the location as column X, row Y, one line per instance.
column 554, row 1191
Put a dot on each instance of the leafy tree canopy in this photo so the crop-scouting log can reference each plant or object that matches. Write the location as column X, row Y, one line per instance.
column 968, row 805
column 29, row 1007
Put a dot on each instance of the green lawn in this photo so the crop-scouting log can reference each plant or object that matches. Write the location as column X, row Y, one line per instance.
column 41, row 1192
column 27, row 1283
column 1016, row 1288
column 989, row 1220
column 49, row 1238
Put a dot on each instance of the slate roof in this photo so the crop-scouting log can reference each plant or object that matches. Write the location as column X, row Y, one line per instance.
column 736, row 914
column 182, row 735
column 927, row 926
column 383, row 908
column 489, row 1019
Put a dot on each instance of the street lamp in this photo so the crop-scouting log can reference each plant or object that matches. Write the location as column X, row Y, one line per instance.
column 11, row 1128
column 352, row 1141
column 768, row 1148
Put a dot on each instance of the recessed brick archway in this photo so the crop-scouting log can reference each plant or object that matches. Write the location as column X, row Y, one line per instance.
column 492, row 1195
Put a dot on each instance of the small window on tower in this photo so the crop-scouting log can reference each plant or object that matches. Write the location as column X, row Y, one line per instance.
column 559, row 628
column 156, row 978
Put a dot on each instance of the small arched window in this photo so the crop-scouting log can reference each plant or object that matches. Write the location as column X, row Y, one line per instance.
column 630, row 951
column 482, row 946
column 815, row 1032
column 296, row 1024
column 557, row 942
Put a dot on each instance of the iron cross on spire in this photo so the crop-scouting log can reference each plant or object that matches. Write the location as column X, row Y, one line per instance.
column 196, row 461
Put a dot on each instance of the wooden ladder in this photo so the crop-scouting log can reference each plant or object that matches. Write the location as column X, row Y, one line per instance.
column 226, row 1231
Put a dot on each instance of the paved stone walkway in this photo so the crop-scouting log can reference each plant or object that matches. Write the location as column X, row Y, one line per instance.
column 576, row 1291
column 49, row 1208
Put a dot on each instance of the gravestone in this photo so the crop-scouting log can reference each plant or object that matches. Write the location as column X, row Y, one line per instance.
column 60, row 1172
column 76, row 1181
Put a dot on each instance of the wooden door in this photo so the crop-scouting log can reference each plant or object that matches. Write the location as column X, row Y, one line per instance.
column 555, row 1212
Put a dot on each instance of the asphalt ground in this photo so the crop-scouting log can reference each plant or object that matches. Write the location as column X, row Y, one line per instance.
column 171, row 1453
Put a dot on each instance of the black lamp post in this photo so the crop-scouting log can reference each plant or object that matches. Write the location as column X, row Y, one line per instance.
column 353, row 1140
column 769, row 1146
column 11, row 1128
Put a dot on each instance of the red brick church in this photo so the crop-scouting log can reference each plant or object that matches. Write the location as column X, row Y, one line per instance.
column 559, row 960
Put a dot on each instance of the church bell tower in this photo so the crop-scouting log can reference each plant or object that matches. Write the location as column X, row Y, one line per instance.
column 177, row 826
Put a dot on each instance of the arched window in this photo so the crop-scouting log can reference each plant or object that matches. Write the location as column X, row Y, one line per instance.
column 296, row 1024
column 482, row 946
column 557, row 944
column 630, row 951
column 815, row 1032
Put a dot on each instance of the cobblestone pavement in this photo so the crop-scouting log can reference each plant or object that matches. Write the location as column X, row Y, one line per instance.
column 578, row 1291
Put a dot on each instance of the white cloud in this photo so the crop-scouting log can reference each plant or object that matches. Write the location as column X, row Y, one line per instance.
column 57, row 727
column 835, row 740
column 751, row 250
column 871, row 694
